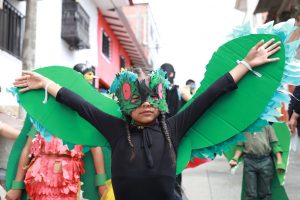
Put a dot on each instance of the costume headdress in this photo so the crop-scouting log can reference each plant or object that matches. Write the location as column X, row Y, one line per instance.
column 132, row 92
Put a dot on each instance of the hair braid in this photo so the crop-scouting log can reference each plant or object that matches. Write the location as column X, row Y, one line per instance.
column 129, row 138
column 164, row 129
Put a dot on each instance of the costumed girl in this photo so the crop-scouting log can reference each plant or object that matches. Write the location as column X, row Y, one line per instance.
column 144, row 143
column 51, row 170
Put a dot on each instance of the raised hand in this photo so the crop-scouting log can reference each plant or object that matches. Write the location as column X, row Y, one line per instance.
column 260, row 53
column 30, row 81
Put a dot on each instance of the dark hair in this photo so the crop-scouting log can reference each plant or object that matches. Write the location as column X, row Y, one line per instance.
column 167, row 67
column 84, row 68
column 190, row 81
column 164, row 129
column 128, row 134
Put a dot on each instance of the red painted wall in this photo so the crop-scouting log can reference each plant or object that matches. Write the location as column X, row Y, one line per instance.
column 108, row 68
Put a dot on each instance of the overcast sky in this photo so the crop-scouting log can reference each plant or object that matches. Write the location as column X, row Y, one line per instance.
column 190, row 31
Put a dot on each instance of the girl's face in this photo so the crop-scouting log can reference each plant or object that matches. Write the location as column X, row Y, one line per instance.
column 145, row 114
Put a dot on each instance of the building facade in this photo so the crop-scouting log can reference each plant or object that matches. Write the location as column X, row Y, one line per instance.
column 69, row 32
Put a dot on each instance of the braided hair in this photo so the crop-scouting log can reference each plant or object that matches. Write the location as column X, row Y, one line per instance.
column 128, row 121
column 164, row 129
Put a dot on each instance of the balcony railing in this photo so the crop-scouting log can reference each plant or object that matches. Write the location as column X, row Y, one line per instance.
column 11, row 29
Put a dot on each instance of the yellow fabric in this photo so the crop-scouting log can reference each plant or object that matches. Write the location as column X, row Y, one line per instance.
column 109, row 193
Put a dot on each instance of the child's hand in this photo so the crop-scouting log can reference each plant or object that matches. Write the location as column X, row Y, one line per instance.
column 13, row 194
column 232, row 163
column 280, row 167
column 279, row 170
column 260, row 53
column 293, row 122
column 30, row 80
column 102, row 189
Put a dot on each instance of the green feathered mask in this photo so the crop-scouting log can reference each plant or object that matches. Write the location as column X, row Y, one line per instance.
column 132, row 92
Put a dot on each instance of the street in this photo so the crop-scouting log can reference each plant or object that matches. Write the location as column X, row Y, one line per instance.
column 214, row 181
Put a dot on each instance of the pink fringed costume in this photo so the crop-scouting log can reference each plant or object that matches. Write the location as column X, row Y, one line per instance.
column 54, row 172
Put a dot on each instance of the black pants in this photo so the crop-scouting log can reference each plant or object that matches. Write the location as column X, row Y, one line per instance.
column 258, row 174
column 178, row 192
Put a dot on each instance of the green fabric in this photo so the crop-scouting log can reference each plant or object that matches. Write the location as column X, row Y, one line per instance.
column 100, row 179
column 32, row 132
column 283, row 135
column 247, row 103
column 284, row 138
column 276, row 147
column 239, row 147
column 89, row 188
column 281, row 166
column 12, row 164
column 18, row 185
column 62, row 121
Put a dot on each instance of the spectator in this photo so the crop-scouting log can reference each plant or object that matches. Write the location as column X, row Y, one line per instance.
column 258, row 162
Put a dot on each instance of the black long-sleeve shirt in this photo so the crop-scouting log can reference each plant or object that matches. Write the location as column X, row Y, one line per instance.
column 135, row 179
column 295, row 103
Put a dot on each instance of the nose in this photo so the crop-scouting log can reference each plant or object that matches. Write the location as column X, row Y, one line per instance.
column 146, row 104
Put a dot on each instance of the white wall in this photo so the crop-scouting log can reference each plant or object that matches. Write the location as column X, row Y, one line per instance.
column 50, row 48
column 10, row 66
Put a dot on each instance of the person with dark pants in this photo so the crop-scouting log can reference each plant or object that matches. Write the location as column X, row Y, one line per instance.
column 258, row 162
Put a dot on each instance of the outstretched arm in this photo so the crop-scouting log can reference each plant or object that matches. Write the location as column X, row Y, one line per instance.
column 258, row 55
column 107, row 124
column 8, row 131
column 234, row 161
column 15, row 193
column 100, row 170
column 32, row 80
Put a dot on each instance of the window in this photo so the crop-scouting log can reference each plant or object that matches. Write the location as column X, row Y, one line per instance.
column 106, row 44
column 11, row 31
column 122, row 62
column 75, row 25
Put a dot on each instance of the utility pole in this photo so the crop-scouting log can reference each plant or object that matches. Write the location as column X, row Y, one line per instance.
column 28, row 50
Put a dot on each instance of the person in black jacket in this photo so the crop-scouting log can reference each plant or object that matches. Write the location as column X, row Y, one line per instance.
column 144, row 145
column 173, row 95
column 294, row 112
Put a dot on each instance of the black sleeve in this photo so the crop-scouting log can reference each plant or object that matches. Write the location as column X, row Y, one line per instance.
column 108, row 125
column 295, row 104
column 181, row 122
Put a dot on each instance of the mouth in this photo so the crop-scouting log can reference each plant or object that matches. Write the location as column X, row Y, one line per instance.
column 146, row 112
